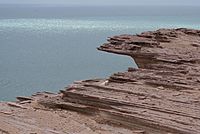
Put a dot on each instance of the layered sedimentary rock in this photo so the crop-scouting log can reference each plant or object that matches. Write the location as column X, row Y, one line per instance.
column 161, row 96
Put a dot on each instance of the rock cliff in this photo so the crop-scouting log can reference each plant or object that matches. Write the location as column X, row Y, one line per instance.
column 161, row 96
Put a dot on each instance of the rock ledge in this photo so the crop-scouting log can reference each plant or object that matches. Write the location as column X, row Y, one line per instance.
column 162, row 96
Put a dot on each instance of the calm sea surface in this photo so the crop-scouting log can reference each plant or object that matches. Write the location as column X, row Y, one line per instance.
column 47, row 48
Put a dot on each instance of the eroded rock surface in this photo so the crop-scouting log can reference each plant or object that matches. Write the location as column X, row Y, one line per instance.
column 162, row 96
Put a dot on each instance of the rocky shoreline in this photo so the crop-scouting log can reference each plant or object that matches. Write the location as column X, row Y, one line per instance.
column 162, row 96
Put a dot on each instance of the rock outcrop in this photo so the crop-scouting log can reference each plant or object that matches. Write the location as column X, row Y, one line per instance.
column 161, row 96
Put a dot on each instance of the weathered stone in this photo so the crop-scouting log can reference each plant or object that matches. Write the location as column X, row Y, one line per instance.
column 165, row 86
column 162, row 96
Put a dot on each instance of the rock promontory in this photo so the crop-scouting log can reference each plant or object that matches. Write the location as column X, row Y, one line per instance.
column 161, row 96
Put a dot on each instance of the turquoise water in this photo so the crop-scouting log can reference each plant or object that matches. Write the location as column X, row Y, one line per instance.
column 39, row 53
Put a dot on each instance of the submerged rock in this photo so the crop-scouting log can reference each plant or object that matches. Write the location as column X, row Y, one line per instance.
column 162, row 96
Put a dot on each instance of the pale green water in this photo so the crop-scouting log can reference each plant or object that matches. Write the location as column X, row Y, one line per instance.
column 40, row 53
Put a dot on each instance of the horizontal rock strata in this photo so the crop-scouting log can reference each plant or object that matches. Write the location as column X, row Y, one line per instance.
column 161, row 96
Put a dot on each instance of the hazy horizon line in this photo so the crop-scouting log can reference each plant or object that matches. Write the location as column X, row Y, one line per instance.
column 93, row 5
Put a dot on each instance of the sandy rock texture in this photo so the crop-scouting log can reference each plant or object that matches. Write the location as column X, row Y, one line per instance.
column 161, row 96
